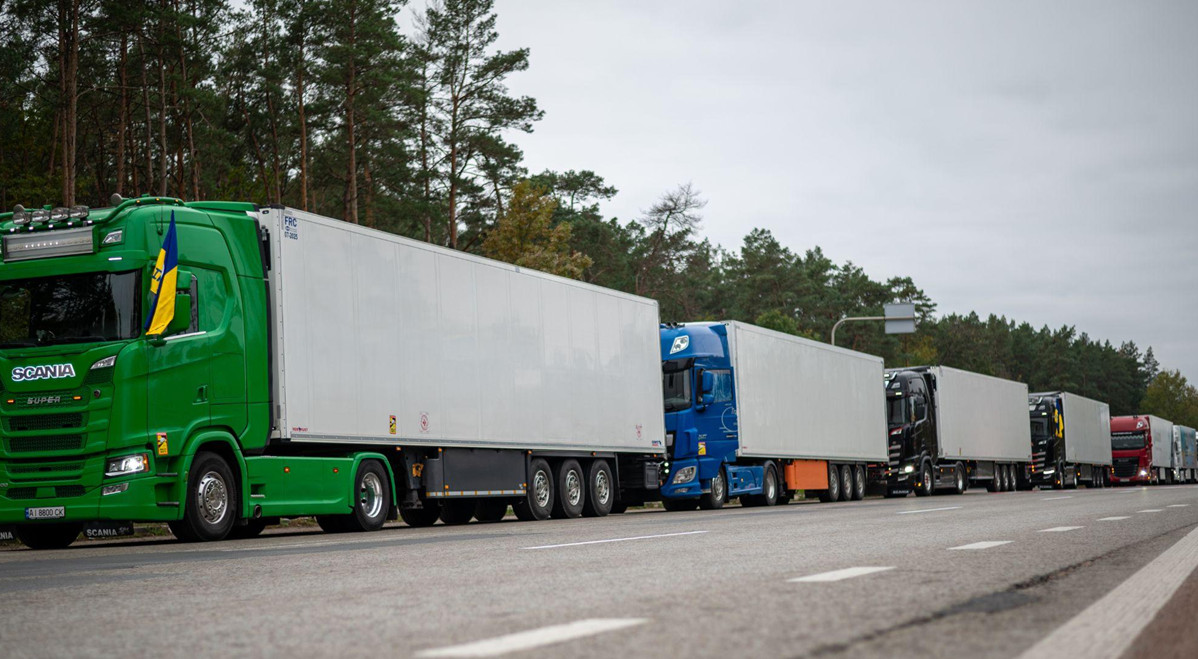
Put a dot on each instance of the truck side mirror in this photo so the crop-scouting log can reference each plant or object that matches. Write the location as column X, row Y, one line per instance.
column 182, row 320
column 706, row 385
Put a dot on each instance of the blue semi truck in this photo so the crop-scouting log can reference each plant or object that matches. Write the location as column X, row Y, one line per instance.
column 758, row 414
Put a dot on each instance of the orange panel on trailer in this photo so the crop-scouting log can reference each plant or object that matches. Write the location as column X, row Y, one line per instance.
column 807, row 475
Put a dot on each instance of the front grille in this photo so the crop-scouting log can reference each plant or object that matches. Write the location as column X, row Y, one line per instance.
column 45, row 468
column 69, row 490
column 1125, row 467
column 31, row 492
column 21, row 493
column 47, row 443
column 44, row 421
column 44, row 400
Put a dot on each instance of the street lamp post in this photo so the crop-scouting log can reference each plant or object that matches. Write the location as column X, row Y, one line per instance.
column 900, row 319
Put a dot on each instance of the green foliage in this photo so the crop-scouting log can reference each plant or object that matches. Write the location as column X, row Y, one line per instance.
column 525, row 235
column 1172, row 397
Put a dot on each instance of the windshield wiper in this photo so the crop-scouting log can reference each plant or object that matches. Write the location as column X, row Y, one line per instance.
column 77, row 339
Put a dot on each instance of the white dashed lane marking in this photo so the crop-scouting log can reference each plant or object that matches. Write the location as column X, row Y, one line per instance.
column 1112, row 519
column 840, row 575
column 534, row 638
column 1055, row 498
column 600, row 542
column 1150, row 510
column 1058, row 529
column 985, row 544
column 928, row 510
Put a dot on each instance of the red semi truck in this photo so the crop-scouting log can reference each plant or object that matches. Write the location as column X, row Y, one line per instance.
column 1141, row 448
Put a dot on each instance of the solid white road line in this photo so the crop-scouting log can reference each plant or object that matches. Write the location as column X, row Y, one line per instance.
column 534, row 638
column 1058, row 529
column 928, row 510
column 840, row 575
column 1056, row 498
column 1107, row 627
column 1177, row 505
column 1112, row 519
column 986, row 544
column 1150, row 510
column 600, row 542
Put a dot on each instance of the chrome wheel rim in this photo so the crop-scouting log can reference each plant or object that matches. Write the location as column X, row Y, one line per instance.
column 212, row 498
column 717, row 487
column 370, row 495
column 540, row 489
column 602, row 487
column 573, row 487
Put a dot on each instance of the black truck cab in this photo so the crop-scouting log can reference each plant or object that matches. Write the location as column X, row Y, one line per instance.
column 911, row 430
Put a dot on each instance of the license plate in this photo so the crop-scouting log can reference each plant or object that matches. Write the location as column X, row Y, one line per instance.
column 46, row 512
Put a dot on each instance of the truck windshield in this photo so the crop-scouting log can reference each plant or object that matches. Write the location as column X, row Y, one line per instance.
column 95, row 306
column 896, row 411
column 677, row 388
column 1124, row 441
column 1039, row 428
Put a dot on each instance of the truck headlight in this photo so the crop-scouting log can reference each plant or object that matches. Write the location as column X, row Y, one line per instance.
column 1143, row 472
column 104, row 363
column 128, row 464
column 684, row 475
column 908, row 469
column 1049, row 472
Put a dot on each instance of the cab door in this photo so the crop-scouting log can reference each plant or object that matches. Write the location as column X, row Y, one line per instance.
column 178, row 376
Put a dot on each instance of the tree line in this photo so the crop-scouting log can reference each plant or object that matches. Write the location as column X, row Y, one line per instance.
column 332, row 106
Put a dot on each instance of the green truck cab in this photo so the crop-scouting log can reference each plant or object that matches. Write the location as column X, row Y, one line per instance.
column 100, row 422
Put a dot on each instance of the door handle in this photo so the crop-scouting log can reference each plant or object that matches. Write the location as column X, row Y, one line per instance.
column 202, row 394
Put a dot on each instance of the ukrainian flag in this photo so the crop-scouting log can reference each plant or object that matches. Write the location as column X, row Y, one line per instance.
column 166, row 275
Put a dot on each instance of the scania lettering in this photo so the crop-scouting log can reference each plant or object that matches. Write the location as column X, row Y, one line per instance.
column 311, row 367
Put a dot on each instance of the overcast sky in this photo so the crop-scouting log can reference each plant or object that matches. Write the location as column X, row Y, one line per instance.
column 1037, row 160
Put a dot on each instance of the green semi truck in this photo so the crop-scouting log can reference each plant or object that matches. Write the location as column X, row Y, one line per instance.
column 311, row 367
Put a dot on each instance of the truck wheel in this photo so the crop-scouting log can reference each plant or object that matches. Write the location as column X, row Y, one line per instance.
column 846, row 483
column 601, row 491
column 455, row 512
column 48, row 536
column 571, row 490
column 211, row 502
column 1071, row 481
column 1009, row 471
column 769, row 487
column 718, row 495
column 997, row 483
column 832, row 494
column 421, row 517
column 490, row 510
column 372, row 500
column 858, row 482
column 927, row 483
column 538, row 504
column 679, row 505
column 959, row 479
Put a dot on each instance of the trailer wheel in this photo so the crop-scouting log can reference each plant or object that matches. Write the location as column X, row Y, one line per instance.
column 455, row 512
column 421, row 517
column 832, row 494
column 959, row 479
column 490, row 510
column 538, row 504
column 571, row 490
column 997, row 483
column 212, row 502
column 601, row 490
column 1009, row 474
column 927, row 483
column 48, row 536
column 858, row 482
column 718, row 494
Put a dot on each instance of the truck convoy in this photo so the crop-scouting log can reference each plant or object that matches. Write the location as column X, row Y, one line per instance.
column 950, row 428
column 312, row 367
column 1185, row 455
column 1070, row 440
column 1141, row 449
column 758, row 414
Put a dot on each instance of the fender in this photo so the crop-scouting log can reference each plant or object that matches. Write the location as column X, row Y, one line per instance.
column 358, row 458
column 203, row 437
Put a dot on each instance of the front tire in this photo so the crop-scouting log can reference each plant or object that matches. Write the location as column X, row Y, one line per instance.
column 927, row 485
column 212, row 500
column 48, row 536
column 718, row 494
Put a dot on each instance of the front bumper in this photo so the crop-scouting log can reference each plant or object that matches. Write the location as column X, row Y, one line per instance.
column 139, row 503
column 687, row 490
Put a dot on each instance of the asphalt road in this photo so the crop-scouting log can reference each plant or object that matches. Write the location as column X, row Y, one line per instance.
column 979, row 575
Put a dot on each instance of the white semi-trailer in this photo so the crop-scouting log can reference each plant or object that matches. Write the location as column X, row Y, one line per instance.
column 949, row 428
column 1070, row 441
column 493, row 383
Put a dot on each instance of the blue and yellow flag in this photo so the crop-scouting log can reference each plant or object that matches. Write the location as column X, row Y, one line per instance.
column 166, row 275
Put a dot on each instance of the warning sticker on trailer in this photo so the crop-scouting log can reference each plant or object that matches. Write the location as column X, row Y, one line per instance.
column 424, row 422
column 392, row 424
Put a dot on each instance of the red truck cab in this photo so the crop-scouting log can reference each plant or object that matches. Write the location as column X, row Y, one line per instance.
column 1131, row 450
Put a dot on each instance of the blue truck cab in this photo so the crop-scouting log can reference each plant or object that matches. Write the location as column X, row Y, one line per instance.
column 700, row 420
